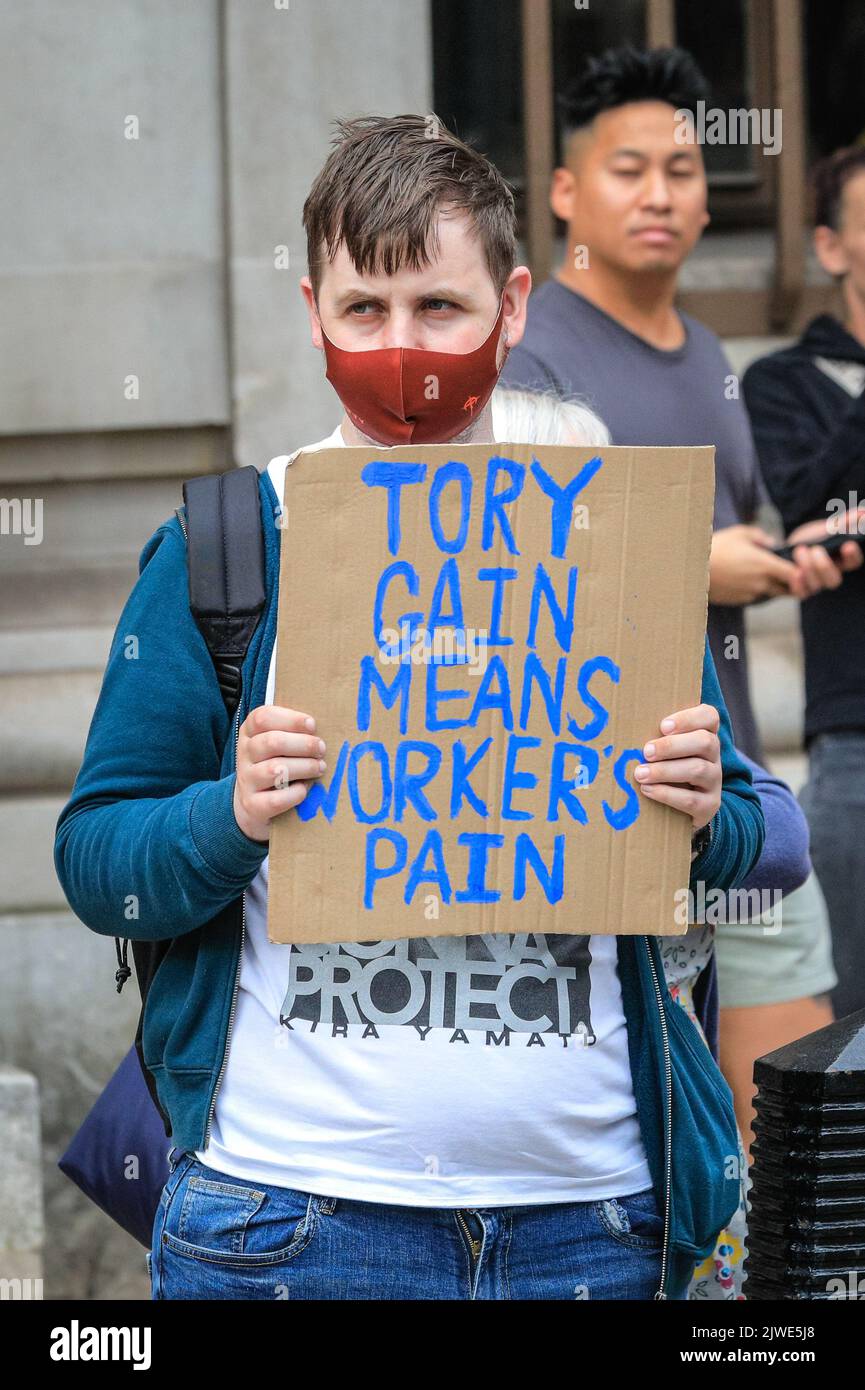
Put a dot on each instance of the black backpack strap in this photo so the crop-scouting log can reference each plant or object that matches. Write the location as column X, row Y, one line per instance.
column 226, row 568
column 227, row 594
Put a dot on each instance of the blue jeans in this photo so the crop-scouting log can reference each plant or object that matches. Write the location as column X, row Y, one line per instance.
column 833, row 800
column 216, row 1236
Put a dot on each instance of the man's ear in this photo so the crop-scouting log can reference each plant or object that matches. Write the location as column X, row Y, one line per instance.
column 830, row 251
column 312, row 309
column 563, row 190
column 516, row 297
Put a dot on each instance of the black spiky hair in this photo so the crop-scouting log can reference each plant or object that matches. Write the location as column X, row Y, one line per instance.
column 620, row 75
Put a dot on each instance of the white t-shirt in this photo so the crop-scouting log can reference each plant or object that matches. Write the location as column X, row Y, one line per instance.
column 445, row 1071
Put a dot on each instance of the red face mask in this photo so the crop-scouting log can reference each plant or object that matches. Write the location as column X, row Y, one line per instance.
column 412, row 395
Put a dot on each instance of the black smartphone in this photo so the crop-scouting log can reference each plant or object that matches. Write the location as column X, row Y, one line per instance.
column 831, row 544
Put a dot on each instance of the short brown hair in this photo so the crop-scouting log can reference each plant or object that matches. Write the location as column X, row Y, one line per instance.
column 381, row 189
column 828, row 180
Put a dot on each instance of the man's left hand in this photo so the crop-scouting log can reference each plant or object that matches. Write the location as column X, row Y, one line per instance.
column 683, row 765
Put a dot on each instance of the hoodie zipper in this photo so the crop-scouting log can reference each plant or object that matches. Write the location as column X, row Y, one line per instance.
column 236, row 973
column 668, row 1120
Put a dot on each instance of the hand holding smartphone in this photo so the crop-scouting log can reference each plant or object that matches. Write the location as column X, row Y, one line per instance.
column 831, row 544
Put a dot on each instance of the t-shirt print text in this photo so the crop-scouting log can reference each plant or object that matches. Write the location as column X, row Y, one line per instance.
column 530, row 986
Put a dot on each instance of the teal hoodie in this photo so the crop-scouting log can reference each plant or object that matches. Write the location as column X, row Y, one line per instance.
column 147, row 847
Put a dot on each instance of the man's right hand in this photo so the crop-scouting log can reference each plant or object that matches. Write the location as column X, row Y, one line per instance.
column 274, row 743
column 742, row 568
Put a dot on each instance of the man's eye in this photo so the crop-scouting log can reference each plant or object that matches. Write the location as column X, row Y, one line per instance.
column 362, row 304
column 627, row 173
column 438, row 303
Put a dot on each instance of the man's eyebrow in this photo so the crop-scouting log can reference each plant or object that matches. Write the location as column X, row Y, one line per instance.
column 357, row 293
column 448, row 292
column 625, row 153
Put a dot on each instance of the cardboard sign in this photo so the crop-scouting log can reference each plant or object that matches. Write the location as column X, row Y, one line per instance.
column 486, row 636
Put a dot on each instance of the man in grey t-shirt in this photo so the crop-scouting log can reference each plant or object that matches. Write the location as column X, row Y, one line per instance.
column 606, row 328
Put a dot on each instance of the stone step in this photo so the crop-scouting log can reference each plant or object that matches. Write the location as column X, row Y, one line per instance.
column 28, row 880
column 45, row 718
column 22, row 1225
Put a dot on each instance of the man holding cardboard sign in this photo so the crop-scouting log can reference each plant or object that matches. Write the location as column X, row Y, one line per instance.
column 521, row 1111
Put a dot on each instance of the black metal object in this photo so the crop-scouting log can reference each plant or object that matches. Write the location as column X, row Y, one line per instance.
column 806, row 1227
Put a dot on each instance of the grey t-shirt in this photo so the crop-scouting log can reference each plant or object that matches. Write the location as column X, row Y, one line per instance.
column 648, row 395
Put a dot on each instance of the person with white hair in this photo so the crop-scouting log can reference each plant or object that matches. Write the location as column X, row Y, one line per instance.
column 545, row 417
